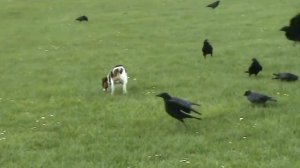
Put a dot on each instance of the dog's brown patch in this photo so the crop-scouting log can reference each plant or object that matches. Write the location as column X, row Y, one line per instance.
column 105, row 83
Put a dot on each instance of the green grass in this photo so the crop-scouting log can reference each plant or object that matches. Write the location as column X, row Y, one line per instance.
column 54, row 114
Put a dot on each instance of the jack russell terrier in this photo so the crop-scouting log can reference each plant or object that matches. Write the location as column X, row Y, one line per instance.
column 118, row 75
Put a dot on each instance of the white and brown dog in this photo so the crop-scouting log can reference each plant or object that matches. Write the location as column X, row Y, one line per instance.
column 118, row 75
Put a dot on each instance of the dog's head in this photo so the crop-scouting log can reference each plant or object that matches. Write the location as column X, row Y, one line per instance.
column 104, row 83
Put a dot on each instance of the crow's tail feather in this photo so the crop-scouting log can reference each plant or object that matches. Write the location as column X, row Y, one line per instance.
column 197, row 118
column 276, row 76
column 195, row 104
column 196, row 111
column 190, row 116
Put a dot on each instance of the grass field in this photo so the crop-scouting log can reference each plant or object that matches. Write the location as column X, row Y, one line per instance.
column 53, row 112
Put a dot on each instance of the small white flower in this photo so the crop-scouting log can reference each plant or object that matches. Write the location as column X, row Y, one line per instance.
column 241, row 118
column 184, row 161
column 42, row 118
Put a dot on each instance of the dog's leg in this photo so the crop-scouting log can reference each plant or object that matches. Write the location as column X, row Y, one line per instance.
column 125, row 87
column 112, row 87
column 124, row 83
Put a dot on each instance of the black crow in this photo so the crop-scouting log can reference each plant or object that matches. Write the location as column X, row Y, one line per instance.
column 82, row 18
column 254, row 68
column 285, row 76
column 178, row 108
column 207, row 48
column 292, row 32
column 257, row 98
column 213, row 5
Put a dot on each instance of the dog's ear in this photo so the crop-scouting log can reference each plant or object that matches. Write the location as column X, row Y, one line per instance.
column 105, row 83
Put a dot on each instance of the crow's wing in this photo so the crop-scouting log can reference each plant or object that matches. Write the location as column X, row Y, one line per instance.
column 266, row 98
column 255, row 98
column 185, row 102
column 214, row 4
column 294, row 32
column 177, row 110
column 256, row 65
column 284, row 76
column 184, row 106
column 289, row 76
column 82, row 18
column 295, row 22
column 259, row 67
column 251, row 68
column 261, row 98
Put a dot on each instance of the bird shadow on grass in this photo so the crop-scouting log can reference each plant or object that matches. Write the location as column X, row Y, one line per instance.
column 260, row 110
column 175, row 127
column 259, row 77
column 268, row 105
